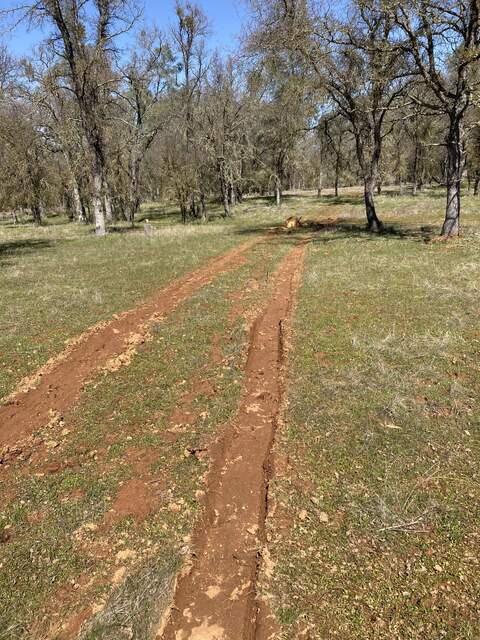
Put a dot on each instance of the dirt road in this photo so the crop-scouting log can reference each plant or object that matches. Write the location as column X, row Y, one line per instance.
column 217, row 599
column 56, row 387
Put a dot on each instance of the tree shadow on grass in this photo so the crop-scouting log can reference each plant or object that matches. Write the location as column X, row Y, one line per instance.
column 50, row 219
column 330, row 199
column 423, row 233
column 167, row 216
column 261, row 227
column 333, row 230
column 173, row 217
column 21, row 247
column 123, row 229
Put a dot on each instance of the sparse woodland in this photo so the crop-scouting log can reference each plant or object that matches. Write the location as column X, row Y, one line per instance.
column 108, row 113
column 239, row 359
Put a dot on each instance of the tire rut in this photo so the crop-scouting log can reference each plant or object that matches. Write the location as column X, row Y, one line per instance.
column 217, row 597
column 56, row 386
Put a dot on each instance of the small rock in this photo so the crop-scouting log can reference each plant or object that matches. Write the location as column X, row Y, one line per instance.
column 126, row 554
column 119, row 575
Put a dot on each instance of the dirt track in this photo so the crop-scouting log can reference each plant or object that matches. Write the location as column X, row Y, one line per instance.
column 217, row 599
column 109, row 345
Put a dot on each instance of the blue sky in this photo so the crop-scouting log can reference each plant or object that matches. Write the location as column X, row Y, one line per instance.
column 225, row 16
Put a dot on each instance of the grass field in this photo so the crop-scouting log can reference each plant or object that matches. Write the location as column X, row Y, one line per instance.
column 57, row 280
column 375, row 530
column 125, row 433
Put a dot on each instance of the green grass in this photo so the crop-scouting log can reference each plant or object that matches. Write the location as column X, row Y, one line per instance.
column 58, row 280
column 376, row 530
column 382, row 431
column 50, row 545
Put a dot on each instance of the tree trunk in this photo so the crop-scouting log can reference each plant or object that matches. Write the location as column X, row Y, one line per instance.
column 98, row 215
column 337, row 173
column 203, row 208
column 77, row 202
column 373, row 222
column 108, row 207
column 451, row 225
column 223, row 185
column 193, row 206
column 415, row 170
column 36, row 204
column 36, row 210
column 320, row 169
column 226, row 206
column 369, row 167
column 232, row 195
column 278, row 193
column 107, row 202
column 476, row 183
column 319, row 183
column 135, row 200
column 68, row 203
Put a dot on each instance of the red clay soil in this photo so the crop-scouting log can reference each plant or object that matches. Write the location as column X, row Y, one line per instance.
column 139, row 496
column 218, row 598
column 60, row 386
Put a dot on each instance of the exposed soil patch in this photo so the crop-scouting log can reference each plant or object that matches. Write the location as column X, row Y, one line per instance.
column 141, row 495
column 72, row 626
column 238, row 298
column 136, row 498
column 218, row 598
column 73, row 496
column 185, row 413
column 141, row 459
column 109, row 344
